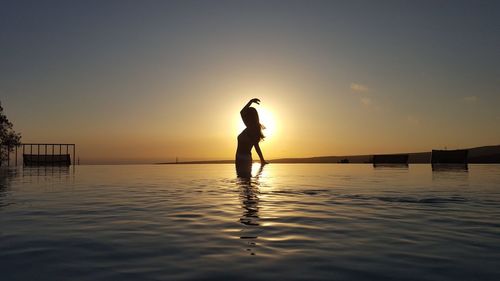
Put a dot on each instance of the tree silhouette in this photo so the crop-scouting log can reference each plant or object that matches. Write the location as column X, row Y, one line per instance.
column 9, row 139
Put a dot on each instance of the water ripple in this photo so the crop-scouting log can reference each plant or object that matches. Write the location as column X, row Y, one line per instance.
column 293, row 222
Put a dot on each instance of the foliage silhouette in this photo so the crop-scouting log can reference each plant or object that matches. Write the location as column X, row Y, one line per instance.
column 9, row 139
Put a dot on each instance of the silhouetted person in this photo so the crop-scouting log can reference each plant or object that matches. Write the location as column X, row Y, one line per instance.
column 250, row 137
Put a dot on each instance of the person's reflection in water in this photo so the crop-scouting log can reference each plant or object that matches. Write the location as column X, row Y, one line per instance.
column 249, row 196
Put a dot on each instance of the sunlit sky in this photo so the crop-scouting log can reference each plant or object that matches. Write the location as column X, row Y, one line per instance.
column 148, row 81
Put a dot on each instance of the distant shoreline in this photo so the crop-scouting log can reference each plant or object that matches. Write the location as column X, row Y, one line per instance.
column 477, row 155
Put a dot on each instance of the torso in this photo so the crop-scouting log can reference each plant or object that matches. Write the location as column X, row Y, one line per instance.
column 245, row 144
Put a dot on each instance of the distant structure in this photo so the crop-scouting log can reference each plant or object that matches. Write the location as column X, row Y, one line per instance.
column 449, row 159
column 390, row 160
column 52, row 157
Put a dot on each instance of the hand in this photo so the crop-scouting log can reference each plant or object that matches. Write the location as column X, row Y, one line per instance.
column 257, row 101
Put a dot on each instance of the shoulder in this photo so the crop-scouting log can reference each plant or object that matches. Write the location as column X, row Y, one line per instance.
column 244, row 111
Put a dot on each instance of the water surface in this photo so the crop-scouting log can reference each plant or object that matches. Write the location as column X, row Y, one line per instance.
column 289, row 222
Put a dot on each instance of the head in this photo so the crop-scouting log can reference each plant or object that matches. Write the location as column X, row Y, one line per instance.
column 252, row 122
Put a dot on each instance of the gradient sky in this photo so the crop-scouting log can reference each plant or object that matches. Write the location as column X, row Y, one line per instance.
column 151, row 80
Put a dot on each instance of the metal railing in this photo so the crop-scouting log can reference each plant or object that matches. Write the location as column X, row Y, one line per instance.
column 29, row 147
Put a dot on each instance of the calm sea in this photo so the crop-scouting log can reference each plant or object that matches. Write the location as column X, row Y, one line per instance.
column 289, row 222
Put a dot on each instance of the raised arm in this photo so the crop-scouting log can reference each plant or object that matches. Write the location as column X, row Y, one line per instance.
column 259, row 152
column 257, row 101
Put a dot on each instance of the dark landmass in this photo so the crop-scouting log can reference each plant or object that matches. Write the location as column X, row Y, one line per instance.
column 477, row 155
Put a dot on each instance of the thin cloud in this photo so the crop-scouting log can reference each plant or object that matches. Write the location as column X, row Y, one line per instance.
column 366, row 101
column 355, row 87
column 470, row 99
column 412, row 120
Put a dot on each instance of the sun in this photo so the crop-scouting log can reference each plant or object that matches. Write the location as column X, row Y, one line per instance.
column 266, row 118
